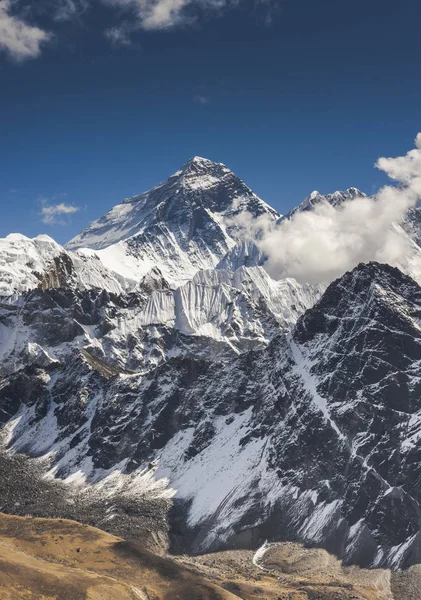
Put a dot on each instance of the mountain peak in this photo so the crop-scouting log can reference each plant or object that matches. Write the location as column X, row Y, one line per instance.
column 196, row 167
column 180, row 225
column 200, row 160
column 198, row 164
column 354, row 192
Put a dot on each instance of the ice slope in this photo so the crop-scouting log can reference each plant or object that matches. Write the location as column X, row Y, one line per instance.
column 216, row 314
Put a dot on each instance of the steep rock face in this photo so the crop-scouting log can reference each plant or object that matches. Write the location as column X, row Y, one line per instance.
column 181, row 225
column 315, row 437
column 363, row 346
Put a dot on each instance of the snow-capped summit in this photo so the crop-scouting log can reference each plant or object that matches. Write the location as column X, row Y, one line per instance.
column 198, row 163
column 180, row 225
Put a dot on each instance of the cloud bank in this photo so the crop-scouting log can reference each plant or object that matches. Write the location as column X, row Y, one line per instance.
column 319, row 245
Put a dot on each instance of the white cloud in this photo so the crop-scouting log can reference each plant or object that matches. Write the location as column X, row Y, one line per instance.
column 52, row 214
column 165, row 14
column 23, row 40
column 320, row 245
column 19, row 39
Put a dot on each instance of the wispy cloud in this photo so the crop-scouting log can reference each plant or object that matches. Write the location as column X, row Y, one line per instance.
column 19, row 39
column 65, row 10
column 22, row 39
column 167, row 14
column 119, row 35
column 201, row 99
column 55, row 214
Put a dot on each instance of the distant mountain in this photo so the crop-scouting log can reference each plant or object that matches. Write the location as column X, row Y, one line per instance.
column 409, row 230
column 180, row 225
column 335, row 199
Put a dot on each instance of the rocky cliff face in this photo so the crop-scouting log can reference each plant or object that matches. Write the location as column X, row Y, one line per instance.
column 266, row 410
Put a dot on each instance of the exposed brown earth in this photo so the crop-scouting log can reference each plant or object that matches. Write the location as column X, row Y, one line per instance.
column 45, row 559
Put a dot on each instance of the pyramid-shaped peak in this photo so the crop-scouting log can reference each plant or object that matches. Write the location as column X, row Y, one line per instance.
column 189, row 208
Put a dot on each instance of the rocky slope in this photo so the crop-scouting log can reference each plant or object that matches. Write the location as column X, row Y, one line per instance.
column 292, row 440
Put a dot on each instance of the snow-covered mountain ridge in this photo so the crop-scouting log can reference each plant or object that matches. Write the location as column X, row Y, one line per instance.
column 290, row 440
column 335, row 199
column 155, row 355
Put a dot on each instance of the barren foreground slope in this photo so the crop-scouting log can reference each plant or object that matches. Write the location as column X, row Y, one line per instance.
column 55, row 559
column 47, row 559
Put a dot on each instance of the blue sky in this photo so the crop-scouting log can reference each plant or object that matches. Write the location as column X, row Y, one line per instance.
column 293, row 96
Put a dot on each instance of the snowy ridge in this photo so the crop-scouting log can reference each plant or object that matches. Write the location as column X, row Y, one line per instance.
column 23, row 262
column 41, row 263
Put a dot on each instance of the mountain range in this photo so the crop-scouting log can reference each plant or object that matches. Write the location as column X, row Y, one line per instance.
column 153, row 364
